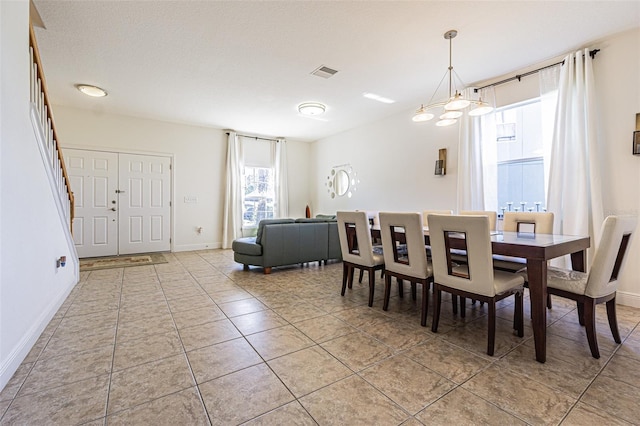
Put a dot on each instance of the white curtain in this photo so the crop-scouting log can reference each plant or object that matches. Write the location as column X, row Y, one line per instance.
column 232, row 226
column 281, row 188
column 477, row 170
column 574, row 194
column 548, row 78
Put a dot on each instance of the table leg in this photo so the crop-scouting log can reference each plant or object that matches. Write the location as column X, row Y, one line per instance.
column 537, row 273
column 578, row 260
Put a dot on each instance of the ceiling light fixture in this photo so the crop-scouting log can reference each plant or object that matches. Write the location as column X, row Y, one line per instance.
column 455, row 101
column 311, row 108
column 90, row 90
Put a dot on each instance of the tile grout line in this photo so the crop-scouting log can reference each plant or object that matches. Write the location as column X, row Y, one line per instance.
column 113, row 354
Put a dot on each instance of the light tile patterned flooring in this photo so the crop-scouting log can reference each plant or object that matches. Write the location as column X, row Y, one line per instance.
column 200, row 341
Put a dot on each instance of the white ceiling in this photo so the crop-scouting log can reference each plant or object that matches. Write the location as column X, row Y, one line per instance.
column 246, row 65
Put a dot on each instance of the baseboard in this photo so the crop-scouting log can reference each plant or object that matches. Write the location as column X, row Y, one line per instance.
column 628, row 299
column 192, row 247
column 21, row 350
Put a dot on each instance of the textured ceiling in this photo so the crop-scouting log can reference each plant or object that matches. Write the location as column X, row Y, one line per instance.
column 246, row 65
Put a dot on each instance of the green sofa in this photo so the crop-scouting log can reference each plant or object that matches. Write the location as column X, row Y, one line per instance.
column 281, row 242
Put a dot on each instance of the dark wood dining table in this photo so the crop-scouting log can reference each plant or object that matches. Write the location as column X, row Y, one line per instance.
column 537, row 249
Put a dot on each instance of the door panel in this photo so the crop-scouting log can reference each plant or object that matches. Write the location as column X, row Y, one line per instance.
column 144, row 205
column 93, row 177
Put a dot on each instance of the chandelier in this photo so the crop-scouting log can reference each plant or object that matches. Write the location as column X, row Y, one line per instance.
column 452, row 107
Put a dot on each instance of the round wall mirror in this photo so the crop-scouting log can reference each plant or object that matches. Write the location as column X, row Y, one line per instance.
column 341, row 182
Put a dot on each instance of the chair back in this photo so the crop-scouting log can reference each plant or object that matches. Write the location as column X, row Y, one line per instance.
column 355, row 238
column 426, row 213
column 535, row 222
column 610, row 255
column 477, row 276
column 403, row 244
column 493, row 216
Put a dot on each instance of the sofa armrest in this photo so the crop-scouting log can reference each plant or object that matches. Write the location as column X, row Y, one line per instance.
column 247, row 246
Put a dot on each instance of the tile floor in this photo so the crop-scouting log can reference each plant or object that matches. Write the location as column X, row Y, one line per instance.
column 200, row 341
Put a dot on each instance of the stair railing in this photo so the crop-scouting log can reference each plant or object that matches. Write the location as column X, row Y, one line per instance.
column 42, row 106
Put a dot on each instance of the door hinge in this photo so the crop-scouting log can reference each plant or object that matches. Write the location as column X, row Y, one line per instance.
column 169, row 240
column 169, row 203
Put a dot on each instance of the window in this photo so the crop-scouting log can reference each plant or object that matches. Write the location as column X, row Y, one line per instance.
column 258, row 195
column 519, row 158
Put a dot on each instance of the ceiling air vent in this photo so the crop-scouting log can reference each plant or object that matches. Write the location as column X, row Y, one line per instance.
column 324, row 72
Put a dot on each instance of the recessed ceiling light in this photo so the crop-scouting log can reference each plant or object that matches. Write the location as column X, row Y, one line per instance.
column 311, row 108
column 90, row 90
column 378, row 98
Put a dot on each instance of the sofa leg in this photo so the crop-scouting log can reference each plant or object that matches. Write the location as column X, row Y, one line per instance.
column 267, row 270
column 245, row 267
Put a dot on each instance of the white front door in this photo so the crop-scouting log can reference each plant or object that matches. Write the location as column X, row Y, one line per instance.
column 122, row 202
column 94, row 180
column 144, row 203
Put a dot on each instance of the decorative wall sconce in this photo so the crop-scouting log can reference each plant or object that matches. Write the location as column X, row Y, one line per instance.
column 342, row 180
column 441, row 162
column 636, row 137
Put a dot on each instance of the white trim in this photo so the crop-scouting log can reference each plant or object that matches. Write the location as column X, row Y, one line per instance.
column 192, row 247
column 628, row 299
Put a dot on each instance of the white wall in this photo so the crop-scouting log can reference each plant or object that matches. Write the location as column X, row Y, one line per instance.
column 199, row 158
column 33, row 235
column 395, row 157
column 617, row 74
column 395, row 161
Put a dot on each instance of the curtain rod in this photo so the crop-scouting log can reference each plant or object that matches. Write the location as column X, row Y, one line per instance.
column 518, row 77
column 254, row 137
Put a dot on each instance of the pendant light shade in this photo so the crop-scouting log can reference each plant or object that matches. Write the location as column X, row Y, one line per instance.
column 422, row 115
column 455, row 102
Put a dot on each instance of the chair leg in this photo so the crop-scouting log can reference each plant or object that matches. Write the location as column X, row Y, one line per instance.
column 437, row 296
column 463, row 310
column 518, row 316
column 425, row 304
column 400, row 288
column 491, row 338
column 345, row 273
column 580, row 313
column 372, row 286
column 613, row 320
column 387, row 292
column 413, row 291
column 361, row 275
column 350, row 276
column 549, row 301
column 590, row 325
column 454, row 302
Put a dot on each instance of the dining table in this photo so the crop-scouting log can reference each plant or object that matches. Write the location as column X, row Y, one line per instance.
column 537, row 249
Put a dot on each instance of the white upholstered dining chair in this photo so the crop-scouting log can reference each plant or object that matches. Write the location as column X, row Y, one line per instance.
column 357, row 249
column 601, row 283
column 426, row 213
column 405, row 256
column 493, row 216
column 527, row 222
column 477, row 279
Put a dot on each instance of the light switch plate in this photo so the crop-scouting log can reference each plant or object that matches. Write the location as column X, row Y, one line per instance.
column 190, row 199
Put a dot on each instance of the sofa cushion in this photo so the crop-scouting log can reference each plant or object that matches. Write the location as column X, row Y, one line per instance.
column 264, row 222
column 247, row 246
column 312, row 220
column 327, row 216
